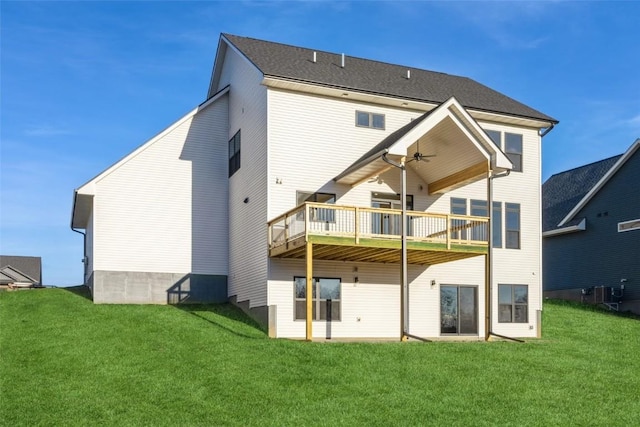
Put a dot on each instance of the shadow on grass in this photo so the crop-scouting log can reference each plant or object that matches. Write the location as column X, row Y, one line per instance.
column 231, row 318
column 80, row 290
column 591, row 308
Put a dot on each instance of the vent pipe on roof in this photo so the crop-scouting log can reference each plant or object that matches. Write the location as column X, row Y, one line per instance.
column 408, row 74
column 314, row 57
column 342, row 61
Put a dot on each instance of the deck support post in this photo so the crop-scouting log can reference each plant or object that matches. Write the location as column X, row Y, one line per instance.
column 488, row 265
column 309, row 289
column 404, row 288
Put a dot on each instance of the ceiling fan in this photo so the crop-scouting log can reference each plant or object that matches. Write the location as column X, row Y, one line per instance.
column 418, row 156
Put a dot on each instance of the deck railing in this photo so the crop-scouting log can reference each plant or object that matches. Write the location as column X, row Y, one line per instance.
column 358, row 222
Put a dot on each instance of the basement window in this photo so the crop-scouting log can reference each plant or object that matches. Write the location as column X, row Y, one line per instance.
column 513, row 303
column 326, row 298
column 369, row 120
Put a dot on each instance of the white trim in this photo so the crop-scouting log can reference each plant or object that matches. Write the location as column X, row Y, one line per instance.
column 571, row 229
column 602, row 182
column 635, row 226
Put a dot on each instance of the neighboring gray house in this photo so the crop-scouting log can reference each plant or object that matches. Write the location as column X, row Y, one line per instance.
column 20, row 271
column 591, row 232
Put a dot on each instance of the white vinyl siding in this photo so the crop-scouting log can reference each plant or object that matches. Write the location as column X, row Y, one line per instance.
column 247, row 221
column 164, row 209
column 89, row 247
column 308, row 147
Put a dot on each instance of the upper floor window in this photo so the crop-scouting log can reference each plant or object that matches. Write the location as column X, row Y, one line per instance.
column 234, row 153
column 513, row 150
column 512, row 219
column 369, row 120
column 477, row 208
column 512, row 146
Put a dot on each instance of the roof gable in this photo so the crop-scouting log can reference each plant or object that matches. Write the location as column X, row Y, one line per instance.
column 566, row 193
column 368, row 76
column 30, row 266
column 15, row 276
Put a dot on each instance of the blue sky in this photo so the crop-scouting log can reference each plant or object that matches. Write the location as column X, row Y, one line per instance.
column 84, row 83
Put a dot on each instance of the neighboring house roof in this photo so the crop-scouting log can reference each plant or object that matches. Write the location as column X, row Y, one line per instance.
column 374, row 77
column 9, row 275
column 565, row 193
column 28, row 266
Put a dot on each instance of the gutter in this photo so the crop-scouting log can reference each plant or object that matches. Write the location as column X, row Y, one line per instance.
column 542, row 133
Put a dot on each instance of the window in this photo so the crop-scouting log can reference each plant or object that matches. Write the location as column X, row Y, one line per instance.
column 513, row 150
column 629, row 225
column 512, row 229
column 369, row 120
column 495, row 136
column 513, row 302
column 234, row 154
column 497, row 224
column 458, row 207
column 479, row 208
column 326, row 298
column 512, row 146
column 318, row 214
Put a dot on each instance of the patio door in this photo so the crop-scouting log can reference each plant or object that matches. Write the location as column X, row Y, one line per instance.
column 383, row 223
column 458, row 310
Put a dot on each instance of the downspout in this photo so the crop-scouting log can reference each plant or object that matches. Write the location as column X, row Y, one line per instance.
column 489, row 315
column 84, row 242
column 542, row 133
column 404, row 294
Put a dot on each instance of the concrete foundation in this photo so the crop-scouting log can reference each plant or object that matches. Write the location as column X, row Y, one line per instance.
column 132, row 287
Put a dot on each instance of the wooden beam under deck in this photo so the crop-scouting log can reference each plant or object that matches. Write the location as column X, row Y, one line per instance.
column 384, row 252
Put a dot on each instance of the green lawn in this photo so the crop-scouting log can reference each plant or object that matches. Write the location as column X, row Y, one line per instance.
column 65, row 361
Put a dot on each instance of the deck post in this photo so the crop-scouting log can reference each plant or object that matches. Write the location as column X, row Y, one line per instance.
column 309, row 289
column 488, row 265
column 404, row 288
column 357, row 224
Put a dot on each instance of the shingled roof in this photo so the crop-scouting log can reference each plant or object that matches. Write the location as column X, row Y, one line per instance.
column 29, row 265
column 364, row 75
column 564, row 190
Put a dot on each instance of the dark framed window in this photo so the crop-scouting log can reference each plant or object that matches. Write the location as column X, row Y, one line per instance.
column 512, row 227
column 496, row 137
column 326, row 298
column 234, row 153
column 458, row 207
column 479, row 208
column 513, row 303
column 318, row 214
column 513, row 150
column 496, row 218
column 369, row 120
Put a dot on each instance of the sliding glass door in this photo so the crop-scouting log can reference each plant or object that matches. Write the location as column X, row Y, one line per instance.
column 458, row 310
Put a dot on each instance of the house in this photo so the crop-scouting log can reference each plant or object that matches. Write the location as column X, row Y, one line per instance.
column 20, row 271
column 591, row 232
column 285, row 192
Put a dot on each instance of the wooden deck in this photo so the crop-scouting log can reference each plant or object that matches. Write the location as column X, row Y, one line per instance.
column 350, row 233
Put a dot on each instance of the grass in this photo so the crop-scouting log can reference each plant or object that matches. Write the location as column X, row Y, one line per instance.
column 65, row 361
